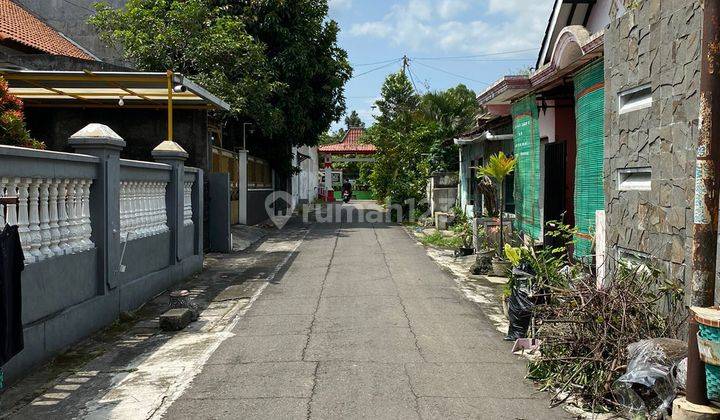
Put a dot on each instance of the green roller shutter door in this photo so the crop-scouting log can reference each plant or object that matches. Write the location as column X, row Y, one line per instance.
column 590, row 120
column 527, row 172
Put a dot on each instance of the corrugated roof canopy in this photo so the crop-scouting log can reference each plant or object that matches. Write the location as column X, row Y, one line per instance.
column 105, row 89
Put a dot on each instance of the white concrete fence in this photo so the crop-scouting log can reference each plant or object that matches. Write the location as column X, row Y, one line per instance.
column 53, row 215
column 100, row 235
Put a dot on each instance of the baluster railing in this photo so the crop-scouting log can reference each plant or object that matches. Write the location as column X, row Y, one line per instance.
column 142, row 209
column 64, row 217
column 3, row 184
column 11, row 212
column 52, row 215
column 188, row 210
column 23, row 223
column 45, row 237
column 34, row 203
column 54, row 218
column 86, row 227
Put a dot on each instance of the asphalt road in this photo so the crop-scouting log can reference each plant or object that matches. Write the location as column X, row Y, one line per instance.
column 362, row 324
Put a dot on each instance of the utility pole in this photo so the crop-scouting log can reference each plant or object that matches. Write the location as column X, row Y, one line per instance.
column 707, row 179
column 406, row 64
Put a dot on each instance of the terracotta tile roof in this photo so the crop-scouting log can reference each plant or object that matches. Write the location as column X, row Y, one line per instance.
column 350, row 144
column 19, row 25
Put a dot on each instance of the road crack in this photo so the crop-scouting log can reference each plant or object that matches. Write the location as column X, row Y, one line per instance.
column 400, row 299
column 412, row 391
column 314, row 316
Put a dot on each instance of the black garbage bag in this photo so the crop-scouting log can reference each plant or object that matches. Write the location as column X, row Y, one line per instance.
column 519, row 314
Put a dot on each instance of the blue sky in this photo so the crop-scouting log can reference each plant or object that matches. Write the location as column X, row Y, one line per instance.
column 439, row 36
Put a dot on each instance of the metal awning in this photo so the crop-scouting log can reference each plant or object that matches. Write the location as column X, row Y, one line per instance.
column 484, row 136
column 100, row 89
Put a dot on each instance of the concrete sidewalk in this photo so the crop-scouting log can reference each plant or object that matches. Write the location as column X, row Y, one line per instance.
column 128, row 370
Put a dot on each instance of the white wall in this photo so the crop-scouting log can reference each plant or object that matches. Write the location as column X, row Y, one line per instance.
column 600, row 15
column 546, row 121
column 305, row 183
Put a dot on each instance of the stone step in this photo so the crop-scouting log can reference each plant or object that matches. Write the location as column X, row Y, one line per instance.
column 175, row 319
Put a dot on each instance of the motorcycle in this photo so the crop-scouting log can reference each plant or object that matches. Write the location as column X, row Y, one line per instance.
column 346, row 196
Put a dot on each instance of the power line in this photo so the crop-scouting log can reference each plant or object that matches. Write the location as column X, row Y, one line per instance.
column 377, row 62
column 453, row 74
column 475, row 60
column 425, row 84
column 412, row 79
column 475, row 56
column 79, row 6
column 376, row 69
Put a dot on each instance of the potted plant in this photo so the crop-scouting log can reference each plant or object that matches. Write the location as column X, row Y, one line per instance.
column 499, row 166
column 463, row 230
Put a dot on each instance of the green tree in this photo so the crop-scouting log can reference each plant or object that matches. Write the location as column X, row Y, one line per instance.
column 302, row 51
column 199, row 40
column 398, row 102
column 399, row 172
column 454, row 111
column 353, row 120
column 276, row 62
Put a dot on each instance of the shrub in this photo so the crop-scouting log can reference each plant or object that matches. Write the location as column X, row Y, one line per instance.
column 12, row 121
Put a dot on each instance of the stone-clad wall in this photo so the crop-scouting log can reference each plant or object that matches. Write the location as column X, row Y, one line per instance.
column 656, row 43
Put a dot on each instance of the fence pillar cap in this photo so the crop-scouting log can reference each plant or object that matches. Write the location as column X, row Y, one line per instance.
column 94, row 135
column 169, row 150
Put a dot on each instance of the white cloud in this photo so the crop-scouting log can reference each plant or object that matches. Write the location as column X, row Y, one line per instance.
column 494, row 25
column 339, row 4
column 451, row 8
column 377, row 29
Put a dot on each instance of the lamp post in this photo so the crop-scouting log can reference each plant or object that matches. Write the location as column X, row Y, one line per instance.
column 245, row 133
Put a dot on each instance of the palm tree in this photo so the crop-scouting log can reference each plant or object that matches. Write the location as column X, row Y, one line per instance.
column 498, row 167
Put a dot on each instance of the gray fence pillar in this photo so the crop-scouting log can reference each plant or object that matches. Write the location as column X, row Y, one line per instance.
column 243, row 186
column 198, row 211
column 220, row 234
column 171, row 153
column 101, row 141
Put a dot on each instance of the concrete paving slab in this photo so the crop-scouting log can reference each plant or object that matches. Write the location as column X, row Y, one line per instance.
column 381, row 323
column 347, row 305
column 255, row 380
column 233, row 409
column 363, row 390
column 284, row 306
column 467, row 380
column 260, row 325
column 443, row 347
column 269, row 348
column 364, row 346
column 486, row 408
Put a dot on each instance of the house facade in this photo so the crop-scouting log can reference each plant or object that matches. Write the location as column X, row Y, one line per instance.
column 492, row 135
column 557, row 118
column 652, row 96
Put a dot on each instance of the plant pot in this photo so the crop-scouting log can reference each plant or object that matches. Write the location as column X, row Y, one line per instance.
column 501, row 268
column 483, row 262
column 484, row 253
column 464, row 252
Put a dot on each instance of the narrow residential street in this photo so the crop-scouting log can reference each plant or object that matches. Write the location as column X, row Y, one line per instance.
column 362, row 324
column 320, row 320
